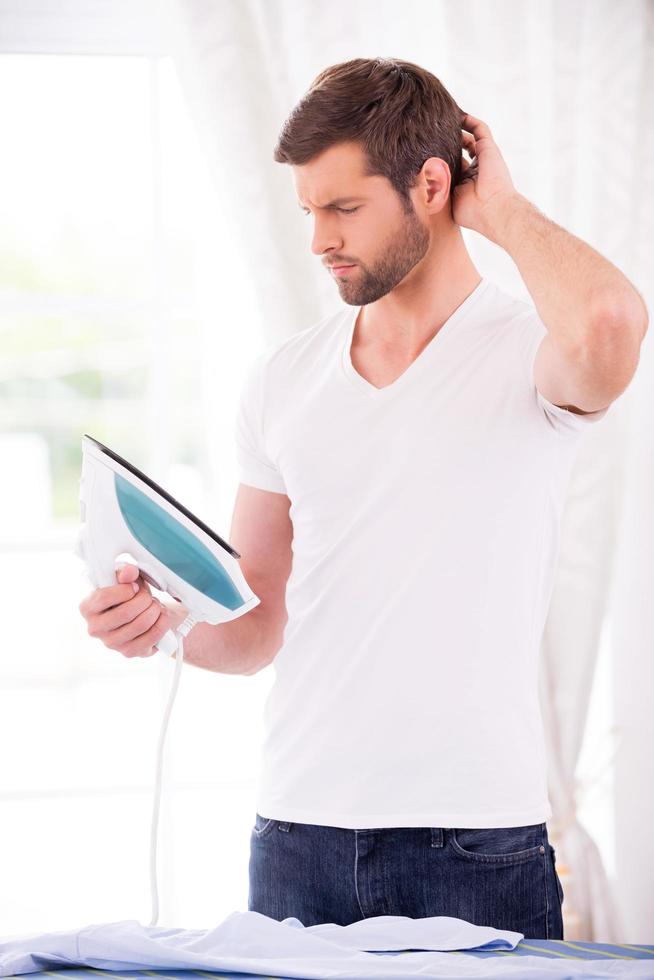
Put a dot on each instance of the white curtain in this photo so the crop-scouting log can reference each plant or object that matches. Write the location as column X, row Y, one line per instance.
column 567, row 92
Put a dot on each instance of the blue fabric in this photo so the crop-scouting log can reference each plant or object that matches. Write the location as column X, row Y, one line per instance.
column 249, row 943
column 504, row 877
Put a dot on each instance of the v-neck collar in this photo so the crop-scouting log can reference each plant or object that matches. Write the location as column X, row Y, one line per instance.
column 417, row 365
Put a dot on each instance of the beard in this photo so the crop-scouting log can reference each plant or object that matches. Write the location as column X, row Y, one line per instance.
column 405, row 248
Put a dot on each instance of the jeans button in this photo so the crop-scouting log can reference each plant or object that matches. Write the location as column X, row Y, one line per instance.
column 542, row 849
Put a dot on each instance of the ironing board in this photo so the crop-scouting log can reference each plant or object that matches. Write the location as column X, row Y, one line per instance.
column 245, row 943
column 566, row 951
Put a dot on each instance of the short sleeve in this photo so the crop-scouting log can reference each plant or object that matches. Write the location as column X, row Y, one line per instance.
column 253, row 463
column 561, row 419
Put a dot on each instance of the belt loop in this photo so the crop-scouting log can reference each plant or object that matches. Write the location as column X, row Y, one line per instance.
column 284, row 826
column 436, row 836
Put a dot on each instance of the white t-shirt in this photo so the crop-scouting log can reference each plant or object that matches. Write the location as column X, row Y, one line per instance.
column 426, row 520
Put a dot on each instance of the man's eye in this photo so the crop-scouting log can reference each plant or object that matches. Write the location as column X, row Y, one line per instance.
column 343, row 210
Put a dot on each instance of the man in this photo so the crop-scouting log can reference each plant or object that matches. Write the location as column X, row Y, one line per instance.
column 403, row 468
column 422, row 438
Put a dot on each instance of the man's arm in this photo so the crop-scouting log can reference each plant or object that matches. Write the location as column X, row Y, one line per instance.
column 576, row 290
column 240, row 646
column 596, row 319
column 262, row 533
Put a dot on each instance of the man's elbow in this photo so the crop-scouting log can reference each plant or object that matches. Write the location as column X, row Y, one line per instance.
column 271, row 642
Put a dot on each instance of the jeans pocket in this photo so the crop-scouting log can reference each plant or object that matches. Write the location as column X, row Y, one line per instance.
column 499, row 845
column 262, row 825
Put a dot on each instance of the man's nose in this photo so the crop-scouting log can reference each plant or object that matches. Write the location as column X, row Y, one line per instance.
column 326, row 237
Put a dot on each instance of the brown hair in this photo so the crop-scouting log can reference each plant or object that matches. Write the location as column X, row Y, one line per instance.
column 400, row 114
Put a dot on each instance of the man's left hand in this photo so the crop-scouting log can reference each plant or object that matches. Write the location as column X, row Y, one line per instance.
column 486, row 179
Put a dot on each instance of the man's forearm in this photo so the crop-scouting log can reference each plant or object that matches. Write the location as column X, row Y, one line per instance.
column 574, row 288
column 240, row 646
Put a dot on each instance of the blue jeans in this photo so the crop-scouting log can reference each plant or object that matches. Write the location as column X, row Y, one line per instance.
column 503, row 877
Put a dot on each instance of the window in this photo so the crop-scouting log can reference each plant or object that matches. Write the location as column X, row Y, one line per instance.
column 111, row 323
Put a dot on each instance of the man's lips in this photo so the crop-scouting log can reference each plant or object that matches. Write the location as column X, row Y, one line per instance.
column 337, row 269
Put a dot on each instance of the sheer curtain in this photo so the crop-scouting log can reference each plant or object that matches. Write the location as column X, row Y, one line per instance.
column 565, row 89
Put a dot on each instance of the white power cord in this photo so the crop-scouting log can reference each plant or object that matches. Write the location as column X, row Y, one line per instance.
column 183, row 630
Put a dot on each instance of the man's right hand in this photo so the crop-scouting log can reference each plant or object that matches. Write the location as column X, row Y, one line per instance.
column 128, row 622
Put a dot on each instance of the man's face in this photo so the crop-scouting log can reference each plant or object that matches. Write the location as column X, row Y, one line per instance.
column 380, row 240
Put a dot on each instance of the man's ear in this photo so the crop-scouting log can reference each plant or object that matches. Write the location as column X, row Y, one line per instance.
column 434, row 182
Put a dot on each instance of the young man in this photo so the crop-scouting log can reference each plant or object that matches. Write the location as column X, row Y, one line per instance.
column 422, row 440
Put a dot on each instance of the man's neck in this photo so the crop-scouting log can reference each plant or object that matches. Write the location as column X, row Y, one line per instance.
column 406, row 319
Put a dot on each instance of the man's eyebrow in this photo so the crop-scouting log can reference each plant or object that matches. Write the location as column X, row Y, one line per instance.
column 335, row 202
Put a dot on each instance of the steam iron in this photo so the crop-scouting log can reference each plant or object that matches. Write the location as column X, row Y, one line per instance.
column 126, row 518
